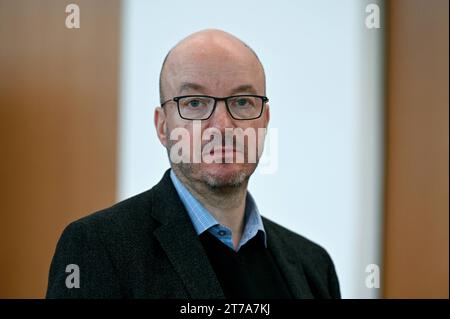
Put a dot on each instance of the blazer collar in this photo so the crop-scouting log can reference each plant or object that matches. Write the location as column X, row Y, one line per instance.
column 180, row 242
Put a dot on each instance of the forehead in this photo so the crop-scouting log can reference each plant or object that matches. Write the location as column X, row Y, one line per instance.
column 215, row 67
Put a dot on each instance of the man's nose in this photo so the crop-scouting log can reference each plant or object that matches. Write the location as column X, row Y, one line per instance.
column 221, row 118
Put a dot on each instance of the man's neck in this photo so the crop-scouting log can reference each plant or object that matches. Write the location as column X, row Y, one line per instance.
column 226, row 204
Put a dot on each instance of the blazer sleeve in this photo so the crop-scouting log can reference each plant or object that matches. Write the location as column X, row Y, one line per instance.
column 79, row 247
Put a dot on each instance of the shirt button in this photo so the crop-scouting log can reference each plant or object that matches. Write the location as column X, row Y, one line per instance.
column 222, row 233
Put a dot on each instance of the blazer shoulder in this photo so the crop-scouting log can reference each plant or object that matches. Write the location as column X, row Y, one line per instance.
column 120, row 230
column 315, row 260
column 294, row 240
column 101, row 244
column 127, row 214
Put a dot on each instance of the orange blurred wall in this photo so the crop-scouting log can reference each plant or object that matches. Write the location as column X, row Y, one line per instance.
column 58, row 116
column 417, row 210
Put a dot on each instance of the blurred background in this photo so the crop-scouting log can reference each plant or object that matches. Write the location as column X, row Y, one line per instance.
column 361, row 113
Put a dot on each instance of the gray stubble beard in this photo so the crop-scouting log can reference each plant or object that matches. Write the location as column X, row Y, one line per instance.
column 236, row 180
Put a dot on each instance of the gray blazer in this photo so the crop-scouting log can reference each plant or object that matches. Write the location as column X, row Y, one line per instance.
column 146, row 247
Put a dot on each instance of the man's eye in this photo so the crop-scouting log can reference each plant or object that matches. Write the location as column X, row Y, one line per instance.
column 194, row 103
column 242, row 102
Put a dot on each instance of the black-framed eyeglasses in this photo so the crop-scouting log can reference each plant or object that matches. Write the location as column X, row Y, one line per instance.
column 201, row 107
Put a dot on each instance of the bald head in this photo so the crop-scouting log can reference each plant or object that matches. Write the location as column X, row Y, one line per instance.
column 210, row 54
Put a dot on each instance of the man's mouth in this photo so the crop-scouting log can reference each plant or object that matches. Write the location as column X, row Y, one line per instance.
column 224, row 151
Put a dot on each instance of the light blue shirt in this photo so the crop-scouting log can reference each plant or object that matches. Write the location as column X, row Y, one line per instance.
column 203, row 220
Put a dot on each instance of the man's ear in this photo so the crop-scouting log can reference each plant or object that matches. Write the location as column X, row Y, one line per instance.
column 160, row 121
column 267, row 113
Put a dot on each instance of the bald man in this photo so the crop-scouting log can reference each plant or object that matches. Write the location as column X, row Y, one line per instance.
column 198, row 233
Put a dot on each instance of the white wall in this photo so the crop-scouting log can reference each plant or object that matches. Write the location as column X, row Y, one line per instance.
column 324, row 72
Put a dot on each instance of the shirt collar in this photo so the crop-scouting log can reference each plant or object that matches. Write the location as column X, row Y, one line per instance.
column 203, row 220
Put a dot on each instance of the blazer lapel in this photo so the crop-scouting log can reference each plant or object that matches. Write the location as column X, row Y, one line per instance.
column 180, row 242
column 291, row 270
